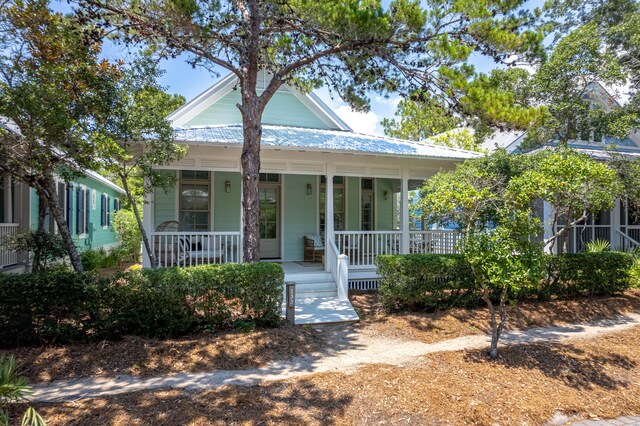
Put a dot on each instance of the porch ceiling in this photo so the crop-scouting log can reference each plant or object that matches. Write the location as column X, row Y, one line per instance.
column 316, row 139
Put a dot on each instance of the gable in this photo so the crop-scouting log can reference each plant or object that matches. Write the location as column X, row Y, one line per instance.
column 287, row 107
column 284, row 109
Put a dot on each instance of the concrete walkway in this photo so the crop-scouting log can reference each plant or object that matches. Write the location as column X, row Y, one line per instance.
column 348, row 350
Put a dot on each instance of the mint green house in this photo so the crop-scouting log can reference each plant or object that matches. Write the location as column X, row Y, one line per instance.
column 88, row 204
column 313, row 167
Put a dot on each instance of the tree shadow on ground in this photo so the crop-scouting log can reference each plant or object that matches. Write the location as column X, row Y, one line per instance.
column 574, row 366
column 454, row 322
column 273, row 403
column 221, row 350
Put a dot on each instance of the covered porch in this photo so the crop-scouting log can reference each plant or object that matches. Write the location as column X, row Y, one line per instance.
column 199, row 222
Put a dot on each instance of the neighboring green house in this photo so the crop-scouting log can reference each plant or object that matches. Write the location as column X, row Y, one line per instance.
column 313, row 166
column 88, row 204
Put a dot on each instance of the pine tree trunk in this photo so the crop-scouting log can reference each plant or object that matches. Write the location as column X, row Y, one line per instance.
column 52, row 203
column 250, row 160
column 136, row 213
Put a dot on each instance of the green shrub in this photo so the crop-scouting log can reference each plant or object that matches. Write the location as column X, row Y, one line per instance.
column 58, row 306
column 45, row 249
column 587, row 274
column 425, row 281
column 438, row 281
column 126, row 226
column 92, row 259
column 66, row 306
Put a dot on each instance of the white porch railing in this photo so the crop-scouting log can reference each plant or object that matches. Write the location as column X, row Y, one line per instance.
column 185, row 248
column 444, row 241
column 7, row 257
column 580, row 235
column 362, row 247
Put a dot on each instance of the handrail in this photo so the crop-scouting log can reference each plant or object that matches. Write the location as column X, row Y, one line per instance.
column 625, row 236
column 338, row 265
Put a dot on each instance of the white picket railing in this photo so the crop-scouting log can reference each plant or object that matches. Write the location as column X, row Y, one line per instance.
column 7, row 257
column 362, row 247
column 443, row 241
column 196, row 248
column 338, row 265
column 580, row 235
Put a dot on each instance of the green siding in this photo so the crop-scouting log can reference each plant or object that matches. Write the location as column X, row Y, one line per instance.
column 283, row 109
column 353, row 204
column 300, row 214
column 384, row 208
column 226, row 205
column 98, row 235
column 165, row 207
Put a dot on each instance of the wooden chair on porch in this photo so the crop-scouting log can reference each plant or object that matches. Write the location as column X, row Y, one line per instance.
column 313, row 248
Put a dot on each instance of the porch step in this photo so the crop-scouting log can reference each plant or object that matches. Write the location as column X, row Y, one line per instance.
column 308, row 277
column 324, row 310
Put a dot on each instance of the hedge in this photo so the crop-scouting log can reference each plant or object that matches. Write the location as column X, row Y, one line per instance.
column 56, row 307
column 440, row 281
column 428, row 281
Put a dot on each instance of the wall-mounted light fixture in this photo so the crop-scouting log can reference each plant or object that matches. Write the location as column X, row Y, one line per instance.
column 309, row 189
column 227, row 186
column 386, row 195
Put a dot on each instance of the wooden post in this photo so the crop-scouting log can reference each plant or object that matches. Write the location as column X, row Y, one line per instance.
column 404, row 195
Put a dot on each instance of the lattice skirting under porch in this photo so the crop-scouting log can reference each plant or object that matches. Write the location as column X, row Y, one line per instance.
column 363, row 284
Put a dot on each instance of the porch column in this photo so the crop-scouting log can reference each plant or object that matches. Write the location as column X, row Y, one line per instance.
column 8, row 200
column 147, row 222
column 547, row 217
column 404, row 205
column 328, row 214
column 614, row 227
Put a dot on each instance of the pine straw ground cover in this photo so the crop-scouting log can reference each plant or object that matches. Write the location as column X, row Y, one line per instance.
column 527, row 385
column 238, row 350
column 456, row 322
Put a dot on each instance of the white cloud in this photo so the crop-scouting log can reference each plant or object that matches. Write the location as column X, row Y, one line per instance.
column 391, row 101
column 360, row 122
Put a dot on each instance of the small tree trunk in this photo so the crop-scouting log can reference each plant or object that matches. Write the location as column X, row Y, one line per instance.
column 136, row 212
column 58, row 216
column 36, row 263
column 496, row 327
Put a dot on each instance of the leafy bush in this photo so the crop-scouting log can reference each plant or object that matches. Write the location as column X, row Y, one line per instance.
column 66, row 306
column 45, row 249
column 56, row 306
column 427, row 281
column 587, row 274
column 634, row 272
column 126, row 226
column 92, row 259
column 439, row 281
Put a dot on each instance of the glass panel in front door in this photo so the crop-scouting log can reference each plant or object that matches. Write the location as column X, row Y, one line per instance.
column 367, row 211
column 268, row 213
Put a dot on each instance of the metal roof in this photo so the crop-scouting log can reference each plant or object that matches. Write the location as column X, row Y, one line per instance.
column 318, row 139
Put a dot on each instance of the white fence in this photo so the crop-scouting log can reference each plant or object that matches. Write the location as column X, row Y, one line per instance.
column 7, row 257
column 580, row 235
column 196, row 248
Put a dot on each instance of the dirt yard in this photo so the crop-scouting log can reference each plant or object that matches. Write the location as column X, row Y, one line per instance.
column 237, row 350
column 585, row 378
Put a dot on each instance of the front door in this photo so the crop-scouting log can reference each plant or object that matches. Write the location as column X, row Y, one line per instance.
column 269, row 195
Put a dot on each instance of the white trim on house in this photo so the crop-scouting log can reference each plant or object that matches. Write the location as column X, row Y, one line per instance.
column 103, row 180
